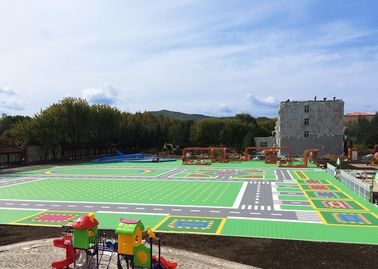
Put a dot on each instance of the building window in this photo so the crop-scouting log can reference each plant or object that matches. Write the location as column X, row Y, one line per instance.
column 307, row 109
column 306, row 133
column 306, row 122
column 263, row 144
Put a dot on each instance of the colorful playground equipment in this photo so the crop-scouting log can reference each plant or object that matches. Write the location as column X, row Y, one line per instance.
column 253, row 152
column 309, row 155
column 271, row 155
column 374, row 159
column 66, row 243
column 352, row 154
column 203, row 155
column 86, row 249
column 136, row 158
column 206, row 156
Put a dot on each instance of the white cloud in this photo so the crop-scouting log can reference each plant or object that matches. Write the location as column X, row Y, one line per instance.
column 265, row 102
column 10, row 101
column 7, row 91
column 7, row 106
column 187, row 55
column 106, row 93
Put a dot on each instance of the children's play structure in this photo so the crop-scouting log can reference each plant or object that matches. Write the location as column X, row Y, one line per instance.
column 204, row 156
column 85, row 248
column 271, row 155
column 309, row 156
column 136, row 158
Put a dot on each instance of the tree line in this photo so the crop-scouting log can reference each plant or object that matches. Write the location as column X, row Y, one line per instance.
column 363, row 133
column 73, row 123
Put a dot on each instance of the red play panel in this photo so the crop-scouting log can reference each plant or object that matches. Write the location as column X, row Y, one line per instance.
column 54, row 217
column 318, row 187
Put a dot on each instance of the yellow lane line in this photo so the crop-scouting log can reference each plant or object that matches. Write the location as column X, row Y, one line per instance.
column 220, row 228
column 161, row 222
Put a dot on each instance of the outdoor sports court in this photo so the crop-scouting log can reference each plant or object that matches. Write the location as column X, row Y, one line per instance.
column 250, row 199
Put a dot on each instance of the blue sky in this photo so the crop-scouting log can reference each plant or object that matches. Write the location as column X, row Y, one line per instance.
column 195, row 56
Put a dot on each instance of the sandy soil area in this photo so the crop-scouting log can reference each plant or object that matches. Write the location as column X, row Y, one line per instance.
column 258, row 252
column 40, row 254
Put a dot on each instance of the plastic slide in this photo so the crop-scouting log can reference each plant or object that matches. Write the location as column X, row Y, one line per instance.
column 135, row 158
column 66, row 243
column 120, row 157
column 165, row 263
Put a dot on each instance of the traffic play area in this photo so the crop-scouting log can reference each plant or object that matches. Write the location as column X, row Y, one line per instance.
column 249, row 199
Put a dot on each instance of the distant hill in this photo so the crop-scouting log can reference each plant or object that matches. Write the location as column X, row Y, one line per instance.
column 196, row 117
column 178, row 115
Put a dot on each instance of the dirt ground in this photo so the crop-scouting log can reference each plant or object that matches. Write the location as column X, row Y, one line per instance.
column 263, row 253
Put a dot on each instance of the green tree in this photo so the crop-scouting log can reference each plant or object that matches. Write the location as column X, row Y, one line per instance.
column 372, row 132
column 206, row 132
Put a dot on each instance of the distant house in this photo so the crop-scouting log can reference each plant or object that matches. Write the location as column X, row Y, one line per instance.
column 264, row 142
column 353, row 116
column 309, row 124
column 10, row 155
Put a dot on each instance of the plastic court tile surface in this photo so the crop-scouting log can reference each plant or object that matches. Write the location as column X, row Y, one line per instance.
column 249, row 199
column 126, row 191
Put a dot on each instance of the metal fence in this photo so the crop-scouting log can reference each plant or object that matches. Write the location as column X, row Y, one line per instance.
column 331, row 170
column 356, row 185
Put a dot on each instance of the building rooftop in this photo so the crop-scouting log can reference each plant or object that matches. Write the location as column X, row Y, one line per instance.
column 9, row 149
column 353, row 114
column 313, row 100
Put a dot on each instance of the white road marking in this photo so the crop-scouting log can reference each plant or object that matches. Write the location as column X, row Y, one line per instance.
column 262, row 207
column 109, row 203
column 39, row 204
column 271, row 219
column 268, row 207
column 139, row 208
column 33, row 209
column 158, row 209
column 256, row 207
column 88, row 206
column 214, row 211
column 9, row 203
column 176, row 209
column 71, row 206
column 24, row 204
column 255, row 213
column 292, row 178
column 235, row 212
column 104, row 206
column 240, row 195
column 243, row 207
column 22, row 182
column 55, row 205
column 122, row 207
column 133, row 212
column 249, row 207
column 276, row 214
column 194, row 210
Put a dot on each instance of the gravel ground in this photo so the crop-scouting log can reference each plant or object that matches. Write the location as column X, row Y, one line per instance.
column 40, row 254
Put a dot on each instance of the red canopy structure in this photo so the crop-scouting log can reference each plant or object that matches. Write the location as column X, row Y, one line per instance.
column 85, row 222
